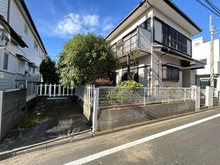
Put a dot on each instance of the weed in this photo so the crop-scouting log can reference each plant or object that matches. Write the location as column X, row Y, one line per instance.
column 33, row 119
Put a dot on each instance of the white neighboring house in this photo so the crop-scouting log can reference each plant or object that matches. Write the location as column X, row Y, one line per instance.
column 155, row 38
column 201, row 51
column 21, row 59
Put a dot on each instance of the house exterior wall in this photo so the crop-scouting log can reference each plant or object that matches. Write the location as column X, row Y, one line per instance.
column 16, row 68
column 133, row 25
column 201, row 51
column 4, row 8
column 157, row 70
column 171, row 22
column 165, row 32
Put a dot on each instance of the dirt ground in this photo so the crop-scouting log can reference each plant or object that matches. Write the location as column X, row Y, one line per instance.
column 59, row 122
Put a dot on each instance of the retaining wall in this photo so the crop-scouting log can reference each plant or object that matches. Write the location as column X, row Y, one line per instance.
column 12, row 110
column 112, row 118
column 53, row 101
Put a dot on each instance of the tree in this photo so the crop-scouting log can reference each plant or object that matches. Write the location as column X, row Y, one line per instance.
column 49, row 71
column 84, row 59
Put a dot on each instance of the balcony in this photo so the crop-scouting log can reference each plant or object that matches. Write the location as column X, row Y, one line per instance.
column 137, row 41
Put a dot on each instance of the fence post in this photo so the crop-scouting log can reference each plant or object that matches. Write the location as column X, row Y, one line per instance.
column 59, row 90
column 40, row 89
column 195, row 95
column 209, row 96
column 95, row 109
column 54, row 90
column 45, row 89
column 50, row 90
column 67, row 91
column 144, row 96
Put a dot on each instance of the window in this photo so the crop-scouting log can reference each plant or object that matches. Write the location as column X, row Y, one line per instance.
column 25, row 29
column 206, row 82
column 146, row 24
column 35, row 46
column 5, row 64
column 197, row 44
column 173, row 38
column 170, row 73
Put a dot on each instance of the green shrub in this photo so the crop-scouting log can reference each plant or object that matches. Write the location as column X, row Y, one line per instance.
column 130, row 84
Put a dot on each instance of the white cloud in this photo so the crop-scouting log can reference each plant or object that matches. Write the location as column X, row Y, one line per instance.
column 74, row 23
column 91, row 20
column 69, row 25
column 107, row 27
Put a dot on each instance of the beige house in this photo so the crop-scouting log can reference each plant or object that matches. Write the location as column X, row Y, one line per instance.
column 153, row 43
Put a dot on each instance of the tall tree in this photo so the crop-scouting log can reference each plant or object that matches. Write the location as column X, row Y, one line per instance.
column 49, row 71
column 85, row 58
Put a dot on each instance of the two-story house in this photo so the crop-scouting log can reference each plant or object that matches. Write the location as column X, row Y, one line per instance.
column 153, row 43
column 21, row 59
column 201, row 51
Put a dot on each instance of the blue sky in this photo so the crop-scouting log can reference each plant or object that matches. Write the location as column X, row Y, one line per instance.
column 58, row 21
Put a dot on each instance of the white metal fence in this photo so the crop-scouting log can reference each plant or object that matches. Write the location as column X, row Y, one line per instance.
column 54, row 90
column 112, row 96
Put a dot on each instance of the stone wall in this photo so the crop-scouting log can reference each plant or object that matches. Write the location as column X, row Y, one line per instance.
column 12, row 110
column 112, row 118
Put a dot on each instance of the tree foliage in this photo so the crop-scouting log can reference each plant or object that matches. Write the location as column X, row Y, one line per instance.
column 85, row 58
column 49, row 71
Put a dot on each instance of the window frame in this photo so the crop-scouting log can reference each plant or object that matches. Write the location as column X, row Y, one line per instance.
column 170, row 73
column 25, row 29
column 5, row 62
column 35, row 46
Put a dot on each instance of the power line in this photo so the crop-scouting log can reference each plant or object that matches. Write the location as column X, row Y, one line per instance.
column 218, row 14
column 213, row 6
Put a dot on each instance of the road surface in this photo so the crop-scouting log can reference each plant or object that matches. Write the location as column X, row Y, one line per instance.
column 192, row 139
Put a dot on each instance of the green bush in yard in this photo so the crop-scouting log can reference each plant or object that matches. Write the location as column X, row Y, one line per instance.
column 121, row 94
column 130, row 84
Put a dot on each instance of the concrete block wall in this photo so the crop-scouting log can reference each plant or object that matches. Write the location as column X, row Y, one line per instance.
column 12, row 110
column 112, row 118
column 53, row 101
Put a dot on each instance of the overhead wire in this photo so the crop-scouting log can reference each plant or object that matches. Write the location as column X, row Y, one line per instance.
column 213, row 11
column 213, row 6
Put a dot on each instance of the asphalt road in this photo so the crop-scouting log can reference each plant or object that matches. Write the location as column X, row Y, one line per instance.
column 193, row 140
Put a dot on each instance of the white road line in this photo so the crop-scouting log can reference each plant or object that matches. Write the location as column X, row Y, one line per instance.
column 137, row 142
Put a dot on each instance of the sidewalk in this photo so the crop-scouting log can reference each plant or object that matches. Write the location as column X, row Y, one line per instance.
column 61, row 122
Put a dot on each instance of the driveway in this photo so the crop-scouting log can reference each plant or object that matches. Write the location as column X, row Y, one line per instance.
column 59, row 121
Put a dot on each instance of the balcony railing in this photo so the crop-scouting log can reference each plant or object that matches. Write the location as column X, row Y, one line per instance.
column 140, row 39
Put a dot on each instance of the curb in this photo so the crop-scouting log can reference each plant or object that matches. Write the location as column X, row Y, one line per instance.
column 86, row 135
column 45, row 145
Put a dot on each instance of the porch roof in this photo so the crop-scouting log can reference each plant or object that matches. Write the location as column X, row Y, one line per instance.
column 22, row 58
column 187, row 62
column 32, row 64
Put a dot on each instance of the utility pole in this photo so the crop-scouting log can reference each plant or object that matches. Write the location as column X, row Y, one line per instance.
column 211, row 53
